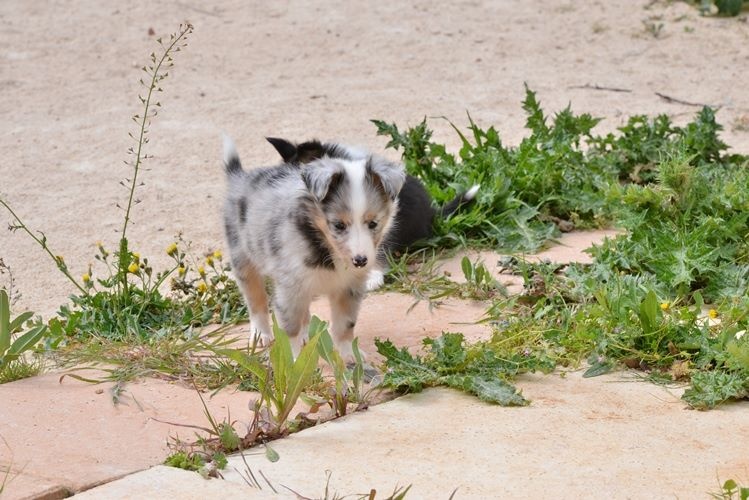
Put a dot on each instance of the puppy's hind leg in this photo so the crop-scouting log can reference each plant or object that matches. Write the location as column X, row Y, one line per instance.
column 252, row 285
column 344, row 308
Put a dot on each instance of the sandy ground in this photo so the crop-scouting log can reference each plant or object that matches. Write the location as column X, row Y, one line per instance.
column 69, row 84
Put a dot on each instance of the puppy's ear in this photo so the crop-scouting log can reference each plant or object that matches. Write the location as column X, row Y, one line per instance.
column 310, row 151
column 386, row 176
column 322, row 177
column 286, row 149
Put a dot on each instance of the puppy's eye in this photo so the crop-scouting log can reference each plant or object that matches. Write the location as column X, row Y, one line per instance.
column 339, row 226
column 372, row 224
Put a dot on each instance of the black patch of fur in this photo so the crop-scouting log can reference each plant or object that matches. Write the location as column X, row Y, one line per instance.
column 450, row 207
column 286, row 149
column 233, row 166
column 242, row 210
column 319, row 255
column 413, row 221
column 306, row 152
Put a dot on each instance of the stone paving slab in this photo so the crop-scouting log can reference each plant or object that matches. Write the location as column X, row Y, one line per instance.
column 69, row 437
column 163, row 482
column 609, row 437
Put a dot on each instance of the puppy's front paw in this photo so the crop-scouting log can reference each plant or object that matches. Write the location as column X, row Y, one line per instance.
column 346, row 350
column 375, row 280
column 259, row 338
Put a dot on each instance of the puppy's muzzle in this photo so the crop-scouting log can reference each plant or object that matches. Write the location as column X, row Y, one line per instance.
column 360, row 261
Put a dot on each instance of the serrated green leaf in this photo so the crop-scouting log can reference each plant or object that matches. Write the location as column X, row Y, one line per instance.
column 491, row 390
column 599, row 368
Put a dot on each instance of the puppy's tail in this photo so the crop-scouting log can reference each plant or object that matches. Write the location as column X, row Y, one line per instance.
column 459, row 201
column 232, row 165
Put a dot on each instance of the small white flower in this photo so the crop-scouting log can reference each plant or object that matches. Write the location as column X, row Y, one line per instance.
column 740, row 334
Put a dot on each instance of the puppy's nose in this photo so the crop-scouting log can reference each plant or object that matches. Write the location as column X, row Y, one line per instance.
column 360, row 261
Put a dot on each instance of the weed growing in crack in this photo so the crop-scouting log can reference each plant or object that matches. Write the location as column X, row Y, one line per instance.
column 282, row 382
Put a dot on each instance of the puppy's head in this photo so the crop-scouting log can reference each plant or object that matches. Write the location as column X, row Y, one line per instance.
column 357, row 200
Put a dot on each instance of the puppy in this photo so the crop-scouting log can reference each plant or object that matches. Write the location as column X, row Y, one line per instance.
column 416, row 212
column 313, row 229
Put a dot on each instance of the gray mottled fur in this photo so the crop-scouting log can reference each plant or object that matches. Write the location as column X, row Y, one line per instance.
column 284, row 223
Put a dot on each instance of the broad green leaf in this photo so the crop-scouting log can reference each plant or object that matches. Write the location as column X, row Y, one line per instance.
column 28, row 340
column 465, row 265
column 649, row 312
column 358, row 373
column 300, row 376
column 20, row 320
column 281, row 360
column 4, row 321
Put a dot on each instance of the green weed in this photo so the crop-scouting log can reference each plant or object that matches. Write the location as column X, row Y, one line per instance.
column 731, row 490
column 419, row 274
column 722, row 7
column 14, row 345
column 477, row 369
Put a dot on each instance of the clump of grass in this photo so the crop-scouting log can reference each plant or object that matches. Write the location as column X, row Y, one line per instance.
column 281, row 381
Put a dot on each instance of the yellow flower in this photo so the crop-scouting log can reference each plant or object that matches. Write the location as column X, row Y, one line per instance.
column 665, row 306
column 209, row 260
column 217, row 254
column 712, row 313
column 171, row 249
column 86, row 278
column 181, row 270
column 202, row 287
column 201, row 271
column 136, row 256
column 99, row 245
column 133, row 268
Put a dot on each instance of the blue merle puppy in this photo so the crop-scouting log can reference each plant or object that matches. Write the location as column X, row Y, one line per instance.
column 314, row 229
column 416, row 211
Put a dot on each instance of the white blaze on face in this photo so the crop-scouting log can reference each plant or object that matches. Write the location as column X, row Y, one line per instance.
column 359, row 236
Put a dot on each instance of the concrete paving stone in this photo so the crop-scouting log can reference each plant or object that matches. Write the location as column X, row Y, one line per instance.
column 162, row 482
column 610, row 437
column 71, row 436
